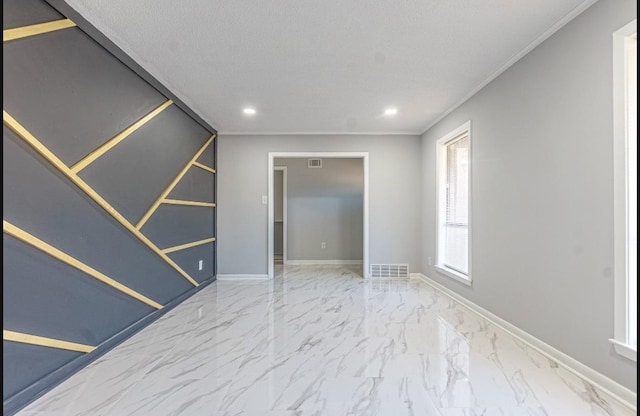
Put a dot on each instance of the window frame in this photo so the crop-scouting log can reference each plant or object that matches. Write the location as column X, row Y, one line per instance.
column 620, row 340
column 441, row 175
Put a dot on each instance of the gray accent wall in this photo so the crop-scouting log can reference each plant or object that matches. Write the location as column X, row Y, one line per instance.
column 135, row 172
column 196, row 185
column 207, row 157
column 73, row 96
column 54, row 300
column 188, row 259
column 395, row 184
column 51, row 79
column 542, row 174
column 41, row 360
column 16, row 13
column 324, row 205
column 42, row 202
column 174, row 225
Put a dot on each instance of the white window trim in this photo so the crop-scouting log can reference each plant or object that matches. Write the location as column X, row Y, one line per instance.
column 620, row 340
column 441, row 158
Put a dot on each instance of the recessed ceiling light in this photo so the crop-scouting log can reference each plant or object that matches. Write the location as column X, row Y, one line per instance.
column 390, row 111
column 249, row 111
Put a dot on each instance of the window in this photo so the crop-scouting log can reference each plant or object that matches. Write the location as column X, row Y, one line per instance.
column 625, row 136
column 454, row 204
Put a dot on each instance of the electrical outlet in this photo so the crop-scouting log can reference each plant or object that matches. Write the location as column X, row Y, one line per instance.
column 323, row 245
column 200, row 264
column 429, row 260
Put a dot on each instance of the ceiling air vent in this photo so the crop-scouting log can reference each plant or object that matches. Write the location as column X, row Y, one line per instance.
column 314, row 163
column 389, row 271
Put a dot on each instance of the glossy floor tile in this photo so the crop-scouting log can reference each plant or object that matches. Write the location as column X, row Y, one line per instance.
column 320, row 340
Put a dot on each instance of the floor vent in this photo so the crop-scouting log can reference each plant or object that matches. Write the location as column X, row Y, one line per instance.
column 389, row 271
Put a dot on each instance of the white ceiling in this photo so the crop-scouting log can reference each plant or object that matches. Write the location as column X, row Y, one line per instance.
column 311, row 66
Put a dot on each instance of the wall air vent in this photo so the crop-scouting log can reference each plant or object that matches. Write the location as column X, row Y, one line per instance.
column 314, row 163
column 389, row 271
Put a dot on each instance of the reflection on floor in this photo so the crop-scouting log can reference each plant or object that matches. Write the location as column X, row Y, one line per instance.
column 318, row 340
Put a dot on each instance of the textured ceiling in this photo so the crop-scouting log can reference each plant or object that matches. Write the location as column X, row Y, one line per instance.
column 325, row 66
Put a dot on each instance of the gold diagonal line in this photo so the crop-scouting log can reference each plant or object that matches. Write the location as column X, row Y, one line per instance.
column 189, row 245
column 34, row 241
column 84, row 162
column 172, row 185
column 44, row 341
column 25, row 31
column 190, row 203
column 64, row 169
column 205, row 167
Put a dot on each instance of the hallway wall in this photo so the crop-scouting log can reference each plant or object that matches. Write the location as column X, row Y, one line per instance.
column 394, row 163
column 324, row 205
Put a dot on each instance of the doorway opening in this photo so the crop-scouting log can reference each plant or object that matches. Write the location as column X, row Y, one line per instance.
column 352, row 199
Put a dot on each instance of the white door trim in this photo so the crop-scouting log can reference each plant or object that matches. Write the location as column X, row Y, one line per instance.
column 351, row 155
column 284, row 211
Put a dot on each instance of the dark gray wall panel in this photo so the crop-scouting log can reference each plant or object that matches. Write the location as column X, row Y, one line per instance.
column 172, row 225
column 39, row 200
column 16, row 13
column 96, row 35
column 196, row 185
column 188, row 260
column 207, row 158
column 74, row 96
column 24, row 364
column 43, row 296
column 70, row 92
column 133, row 174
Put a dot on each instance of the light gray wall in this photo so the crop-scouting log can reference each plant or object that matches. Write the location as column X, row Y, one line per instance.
column 542, row 191
column 394, row 193
column 324, row 205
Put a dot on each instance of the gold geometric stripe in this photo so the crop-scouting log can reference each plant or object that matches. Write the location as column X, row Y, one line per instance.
column 44, row 341
column 190, row 203
column 205, row 167
column 172, row 185
column 83, row 163
column 73, row 262
column 58, row 164
column 189, row 245
column 24, row 31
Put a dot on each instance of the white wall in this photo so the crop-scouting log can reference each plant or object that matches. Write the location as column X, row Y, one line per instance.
column 394, row 193
column 542, row 191
column 324, row 205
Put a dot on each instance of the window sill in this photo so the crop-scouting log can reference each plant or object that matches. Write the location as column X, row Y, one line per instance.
column 454, row 274
column 626, row 350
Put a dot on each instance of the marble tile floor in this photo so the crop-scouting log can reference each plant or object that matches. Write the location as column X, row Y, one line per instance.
column 320, row 340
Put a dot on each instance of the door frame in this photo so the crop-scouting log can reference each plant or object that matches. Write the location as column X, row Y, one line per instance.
column 365, row 196
column 283, row 169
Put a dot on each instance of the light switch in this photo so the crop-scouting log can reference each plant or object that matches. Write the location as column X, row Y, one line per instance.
column 265, row 200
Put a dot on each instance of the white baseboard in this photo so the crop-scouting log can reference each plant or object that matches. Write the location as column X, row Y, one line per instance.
column 242, row 277
column 598, row 380
column 305, row 262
